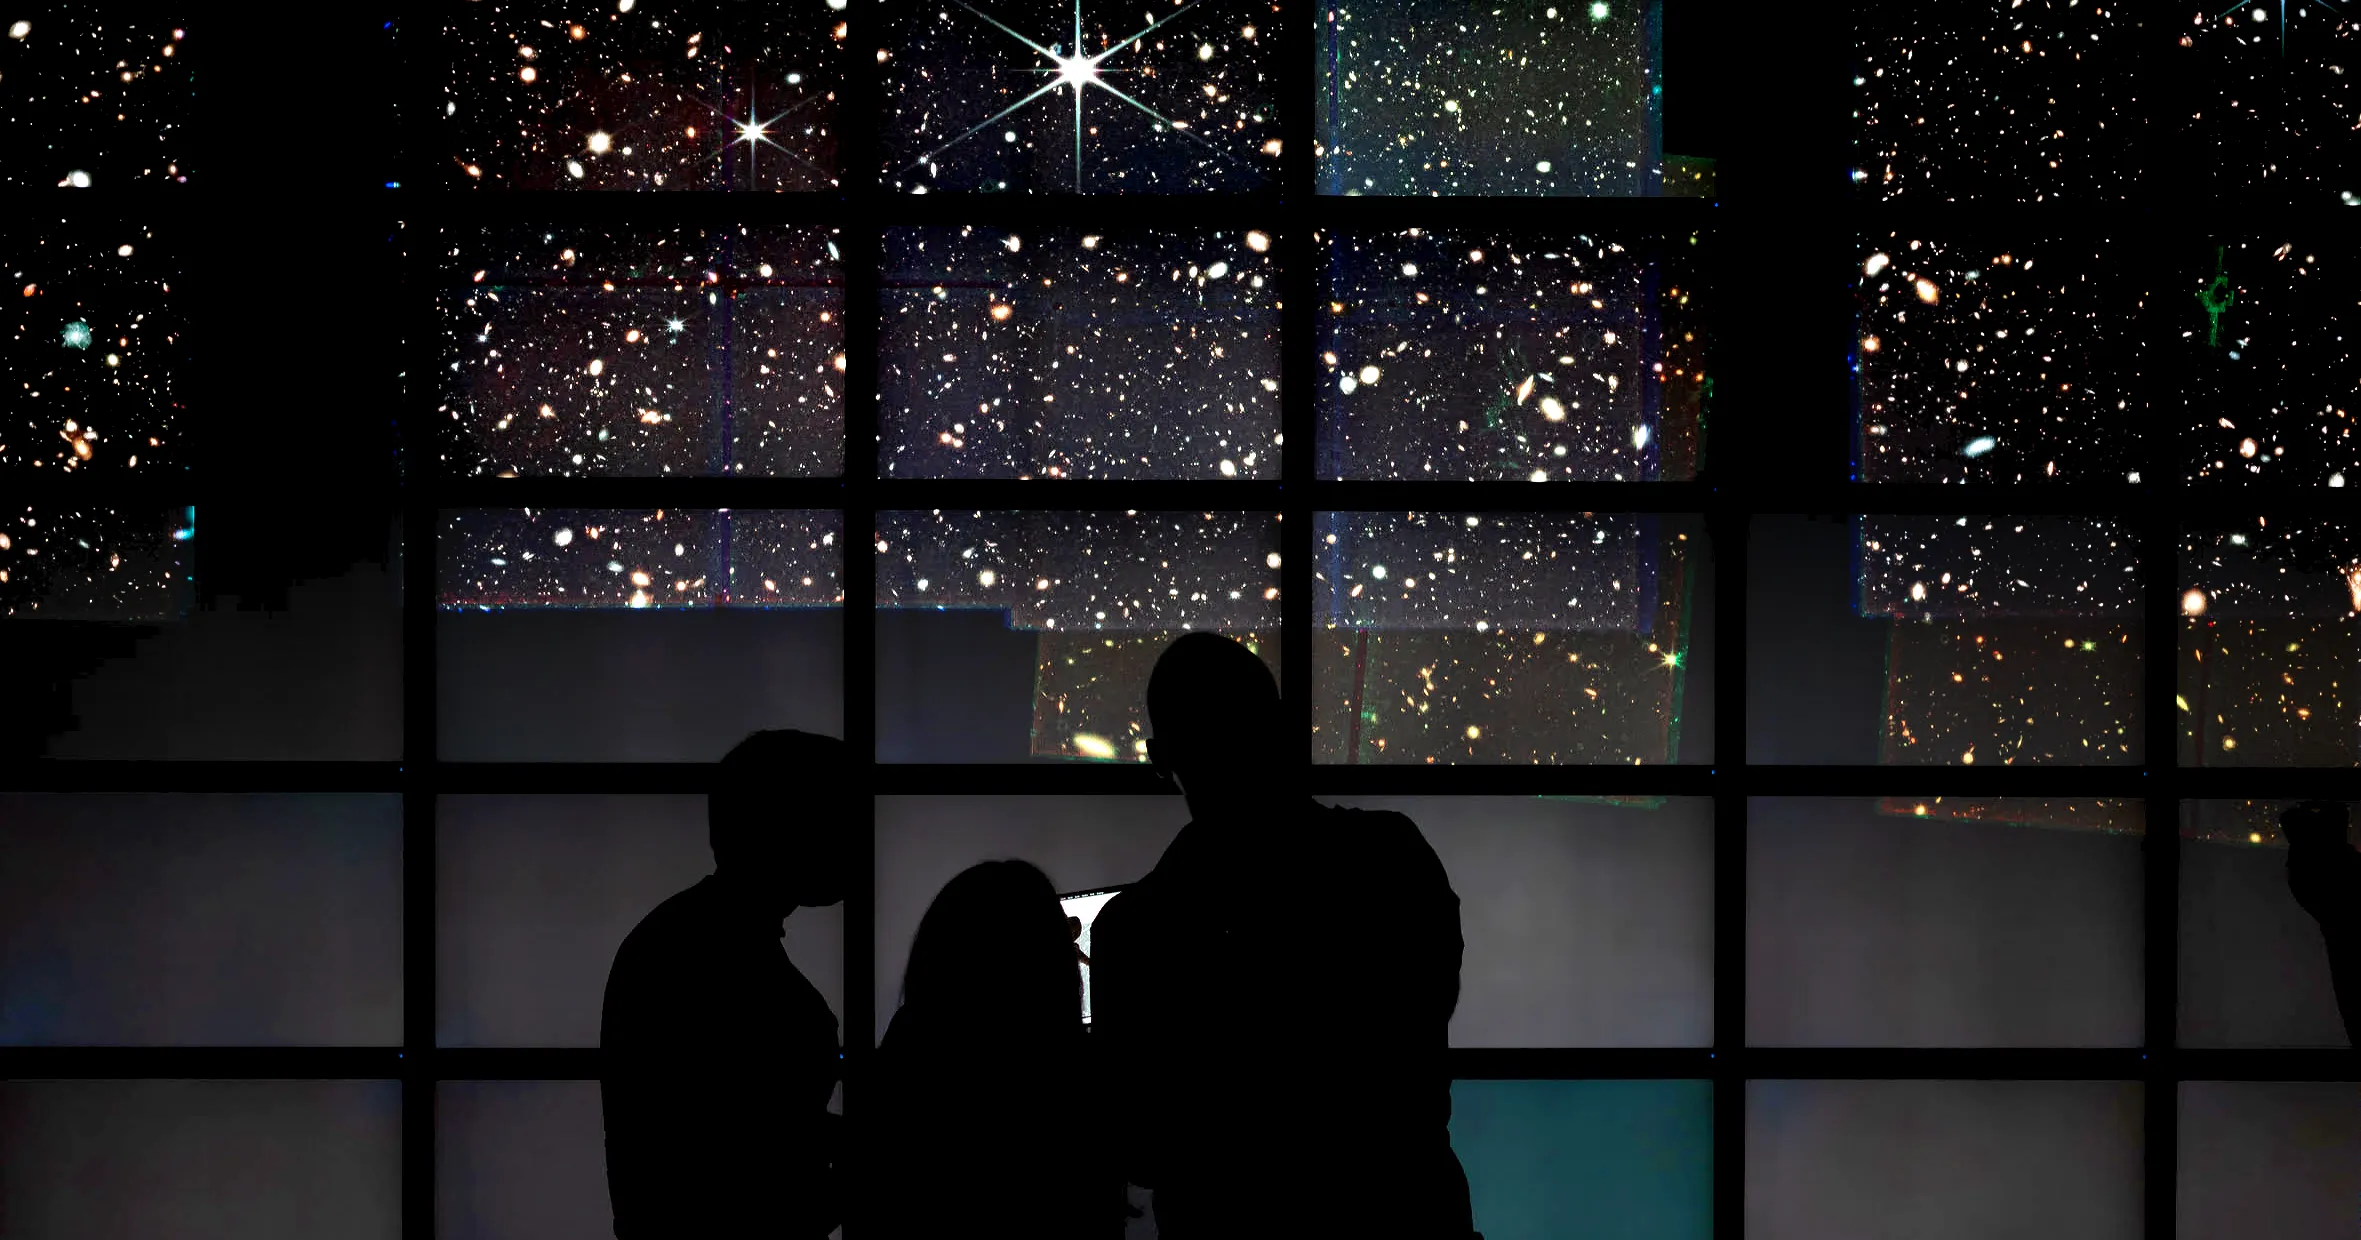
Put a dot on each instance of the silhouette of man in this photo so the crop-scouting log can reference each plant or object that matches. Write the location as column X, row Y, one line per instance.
column 2324, row 874
column 1261, row 1096
column 719, row 1057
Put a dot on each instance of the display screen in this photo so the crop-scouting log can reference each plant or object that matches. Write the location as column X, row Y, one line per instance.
column 1083, row 907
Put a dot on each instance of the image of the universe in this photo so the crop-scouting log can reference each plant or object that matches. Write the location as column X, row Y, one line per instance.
column 2015, row 640
column 2108, row 816
column 1997, row 100
column 1060, row 96
column 1101, row 593
column 498, row 558
column 2252, row 823
column 1457, row 355
column 642, row 351
column 93, row 351
column 1072, row 353
column 1534, row 97
column 2268, row 93
column 96, row 563
column 1979, row 361
column 2266, row 328
column 2270, row 637
column 642, row 95
column 1517, row 638
column 94, row 96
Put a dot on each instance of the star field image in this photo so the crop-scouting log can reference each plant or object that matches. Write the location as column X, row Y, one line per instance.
column 1525, row 638
column 1059, row 353
column 2017, row 639
column 1997, row 100
column 1089, row 698
column 2248, row 824
column 1463, row 357
column 643, row 94
column 1986, row 362
column 2104, row 815
column 2266, row 328
column 1152, row 572
column 1536, row 97
column 93, row 352
column 2270, row 644
column 97, row 563
column 93, row 96
column 496, row 558
column 595, row 352
column 1103, row 592
column 1059, row 96
column 2269, row 99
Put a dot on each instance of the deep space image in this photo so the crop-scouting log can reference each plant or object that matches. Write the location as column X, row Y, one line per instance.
column 1978, row 361
column 676, row 351
column 498, row 558
column 97, row 563
column 93, row 352
column 1518, row 638
column 2108, row 816
column 1103, row 592
column 94, row 96
column 2270, row 99
column 1064, row 353
column 2016, row 639
column 1531, row 98
column 2249, row 824
column 1067, row 97
column 2266, row 329
column 643, row 95
column 1998, row 100
column 1477, row 357
column 2270, row 644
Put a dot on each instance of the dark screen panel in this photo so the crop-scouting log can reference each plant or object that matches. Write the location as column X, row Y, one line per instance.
column 2268, row 1158
column 194, row 919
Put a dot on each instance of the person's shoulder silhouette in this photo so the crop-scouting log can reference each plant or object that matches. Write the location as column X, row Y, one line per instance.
column 719, row 1056
column 2324, row 876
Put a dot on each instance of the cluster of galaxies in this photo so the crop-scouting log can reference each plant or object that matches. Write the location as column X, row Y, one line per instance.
column 2267, row 331
column 1533, row 98
column 643, row 96
column 92, row 350
column 96, row 563
column 1104, row 592
column 2017, row 639
column 2272, row 99
column 1463, row 357
column 1059, row 353
column 2108, row 816
column 1056, row 96
column 2011, row 100
column 94, row 95
column 496, row 558
column 1521, row 638
column 683, row 351
column 1089, row 690
column 1986, row 363
column 2248, row 823
column 2270, row 643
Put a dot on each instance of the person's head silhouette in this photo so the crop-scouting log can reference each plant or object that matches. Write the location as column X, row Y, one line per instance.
column 994, row 956
column 1213, row 722
column 779, row 822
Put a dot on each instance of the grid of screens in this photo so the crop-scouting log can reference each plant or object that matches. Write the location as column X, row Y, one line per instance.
column 640, row 438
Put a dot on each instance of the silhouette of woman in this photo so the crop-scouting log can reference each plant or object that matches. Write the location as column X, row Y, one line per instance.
column 983, row 1087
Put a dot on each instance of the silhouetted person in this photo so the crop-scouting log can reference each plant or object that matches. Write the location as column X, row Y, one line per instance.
column 718, row 1056
column 982, row 1106
column 2324, row 873
column 1259, row 1093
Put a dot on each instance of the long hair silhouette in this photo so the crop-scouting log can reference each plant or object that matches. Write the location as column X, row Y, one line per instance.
column 993, row 956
